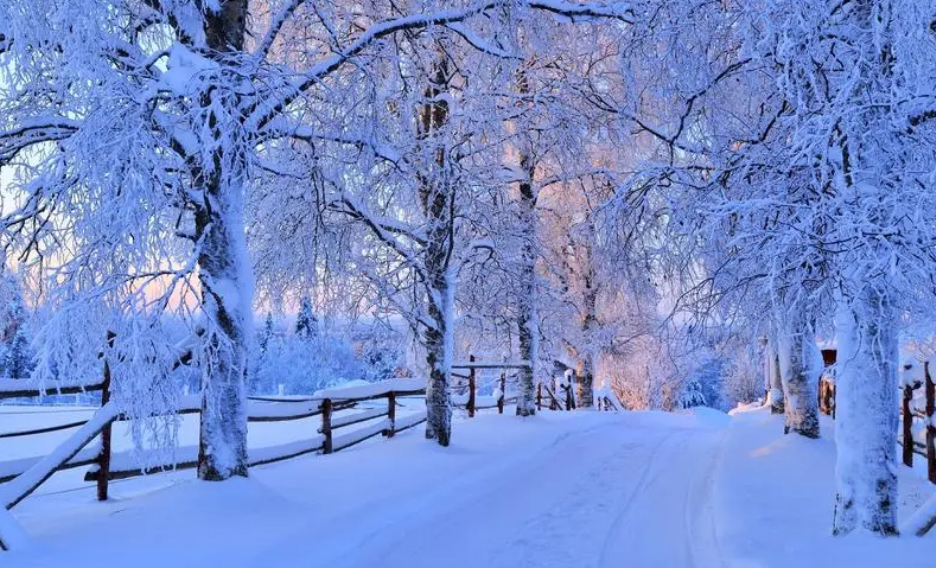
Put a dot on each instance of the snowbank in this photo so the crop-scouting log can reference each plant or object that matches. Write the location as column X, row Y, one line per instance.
column 775, row 499
column 710, row 417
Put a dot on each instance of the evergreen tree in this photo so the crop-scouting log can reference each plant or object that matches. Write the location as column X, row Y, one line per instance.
column 692, row 395
column 306, row 322
column 14, row 342
column 266, row 335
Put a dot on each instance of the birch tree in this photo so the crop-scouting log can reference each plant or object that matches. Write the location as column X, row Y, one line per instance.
column 861, row 243
column 136, row 137
column 823, row 173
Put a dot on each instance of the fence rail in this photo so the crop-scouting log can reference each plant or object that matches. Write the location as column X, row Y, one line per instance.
column 13, row 388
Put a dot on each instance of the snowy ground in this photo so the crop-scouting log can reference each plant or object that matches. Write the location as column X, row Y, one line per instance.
column 575, row 490
column 775, row 499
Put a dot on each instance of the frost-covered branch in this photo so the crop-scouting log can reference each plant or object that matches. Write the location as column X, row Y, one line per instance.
column 266, row 111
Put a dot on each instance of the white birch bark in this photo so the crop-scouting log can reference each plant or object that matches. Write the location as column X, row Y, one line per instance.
column 528, row 323
column 866, row 416
column 225, row 274
column 797, row 350
column 774, row 381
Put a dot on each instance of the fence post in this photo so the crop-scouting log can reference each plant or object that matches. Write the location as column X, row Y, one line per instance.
column 503, row 392
column 326, row 425
column 471, row 389
column 833, row 395
column 823, row 397
column 104, row 458
column 539, row 396
column 907, row 426
column 930, row 426
column 819, row 397
column 391, row 414
column 571, row 378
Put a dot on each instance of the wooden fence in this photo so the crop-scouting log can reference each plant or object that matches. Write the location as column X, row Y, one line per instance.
column 470, row 399
column 337, row 408
column 561, row 396
column 913, row 419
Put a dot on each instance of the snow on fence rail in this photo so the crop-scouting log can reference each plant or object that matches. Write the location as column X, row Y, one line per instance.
column 19, row 388
column 28, row 481
column 401, row 387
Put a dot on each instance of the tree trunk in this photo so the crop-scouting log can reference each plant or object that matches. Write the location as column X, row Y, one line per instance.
column 527, row 323
column 439, row 344
column 586, row 381
column 586, row 374
column 866, row 423
column 224, row 275
column 437, row 195
column 529, row 351
column 224, row 272
column 799, row 377
column 907, row 434
column 775, row 394
column 527, row 318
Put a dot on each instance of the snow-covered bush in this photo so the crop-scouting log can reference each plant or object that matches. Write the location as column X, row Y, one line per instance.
column 304, row 362
column 704, row 387
column 692, row 395
column 304, row 366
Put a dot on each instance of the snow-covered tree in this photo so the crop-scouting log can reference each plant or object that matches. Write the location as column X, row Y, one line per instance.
column 811, row 197
column 306, row 322
column 137, row 141
column 267, row 334
column 418, row 190
column 304, row 365
column 851, row 223
column 692, row 395
column 15, row 356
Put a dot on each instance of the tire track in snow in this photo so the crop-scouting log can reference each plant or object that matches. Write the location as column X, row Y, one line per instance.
column 566, row 532
column 615, row 494
column 657, row 525
column 384, row 525
column 700, row 513
column 643, row 482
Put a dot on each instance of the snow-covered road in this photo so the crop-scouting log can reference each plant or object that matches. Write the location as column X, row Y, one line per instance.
column 604, row 498
column 560, row 490
column 610, row 495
